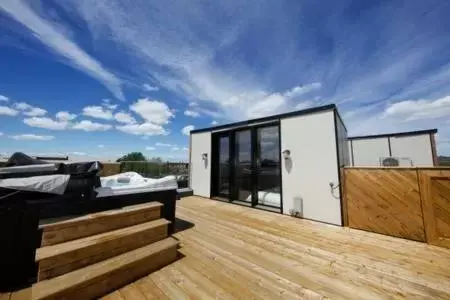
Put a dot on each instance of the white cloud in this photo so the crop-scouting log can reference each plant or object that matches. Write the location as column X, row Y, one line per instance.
column 7, row 111
column 35, row 112
column 411, row 110
column 22, row 106
column 29, row 110
column 304, row 105
column 174, row 149
column 187, row 129
column 3, row 98
column 65, row 116
column 56, row 40
column 1, row 133
column 163, row 145
column 214, row 122
column 191, row 113
column 107, row 103
column 146, row 129
column 150, row 148
column 101, row 146
column 185, row 149
column 47, row 123
column 124, row 117
column 298, row 91
column 77, row 153
column 98, row 112
column 152, row 111
column 150, row 88
column 32, row 137
column 87, row 125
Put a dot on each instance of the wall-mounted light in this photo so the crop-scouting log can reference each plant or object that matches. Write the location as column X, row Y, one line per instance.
column 286, row 154
column 204, row 156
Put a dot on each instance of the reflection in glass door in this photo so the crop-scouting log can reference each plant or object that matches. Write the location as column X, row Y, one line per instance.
column 243, row 168
column 224, row 167
column 268, row 178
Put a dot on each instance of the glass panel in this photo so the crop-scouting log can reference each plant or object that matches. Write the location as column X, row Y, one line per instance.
column 243, row 165
column 268, row 166
column 224, row 166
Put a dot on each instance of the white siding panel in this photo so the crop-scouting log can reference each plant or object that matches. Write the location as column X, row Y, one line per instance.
column 417, row 148
column 200, row 170
column 367, row 152
column 313, row 165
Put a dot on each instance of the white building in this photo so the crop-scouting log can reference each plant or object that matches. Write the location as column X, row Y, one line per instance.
column 404, row 149
column 289, row 163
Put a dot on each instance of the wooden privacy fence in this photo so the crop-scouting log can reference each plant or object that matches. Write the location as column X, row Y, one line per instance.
column 411, row 203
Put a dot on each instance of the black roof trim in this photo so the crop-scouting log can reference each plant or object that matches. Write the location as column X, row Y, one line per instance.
column 269, row 118
column 395, row 134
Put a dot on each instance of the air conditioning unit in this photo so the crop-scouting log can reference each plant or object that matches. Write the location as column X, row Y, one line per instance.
column 391, row 161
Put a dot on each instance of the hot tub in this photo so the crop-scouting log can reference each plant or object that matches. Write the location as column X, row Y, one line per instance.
column 130, row 188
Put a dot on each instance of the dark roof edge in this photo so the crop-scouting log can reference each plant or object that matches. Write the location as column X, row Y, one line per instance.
column 269, row 118
column 417, row 132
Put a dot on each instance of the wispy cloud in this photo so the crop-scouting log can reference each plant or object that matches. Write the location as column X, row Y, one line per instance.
column 411, row 110
column 32, row 137
column 150, row 88
column 3, row 98
column 8, row 111
column 191, row 113
column 163, row 145
column 46, row 123
column 187, row 129
column 98, row 112
column 57, row 41
column 87, row 125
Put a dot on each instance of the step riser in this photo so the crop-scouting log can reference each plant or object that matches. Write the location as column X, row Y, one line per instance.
column 70, row 261
column 97, row 223
column 115, row 279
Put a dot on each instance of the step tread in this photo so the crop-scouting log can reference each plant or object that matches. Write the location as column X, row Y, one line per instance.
column 59, row 249
column 83, row 277
column 104, row 214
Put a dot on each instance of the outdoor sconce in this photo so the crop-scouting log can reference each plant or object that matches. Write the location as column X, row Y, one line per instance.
column 287, row 154
column 204, row 156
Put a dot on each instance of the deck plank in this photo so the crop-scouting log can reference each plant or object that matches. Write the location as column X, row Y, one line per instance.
column 234, row 252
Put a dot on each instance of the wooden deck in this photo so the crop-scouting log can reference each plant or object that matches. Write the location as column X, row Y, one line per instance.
column 236, row 252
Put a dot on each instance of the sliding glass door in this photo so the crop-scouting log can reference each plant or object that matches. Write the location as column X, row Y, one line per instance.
column 246, row 166
column 268, row 167
column 223, row 178
column 243, row 168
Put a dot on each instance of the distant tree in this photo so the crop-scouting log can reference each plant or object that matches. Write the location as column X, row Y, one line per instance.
column 156, row 160
column 133, row 156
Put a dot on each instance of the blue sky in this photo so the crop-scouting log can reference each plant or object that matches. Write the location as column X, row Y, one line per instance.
column 105, row 77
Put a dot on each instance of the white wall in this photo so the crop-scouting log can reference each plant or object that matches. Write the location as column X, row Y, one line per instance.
column 417, row 148
column 313, row 165
column 367, row 152
column 200, row 170
column 412, row 150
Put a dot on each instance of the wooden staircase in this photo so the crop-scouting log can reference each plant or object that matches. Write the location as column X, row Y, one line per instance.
column 90, row 256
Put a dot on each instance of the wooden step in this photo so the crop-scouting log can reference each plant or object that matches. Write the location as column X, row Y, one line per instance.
column 106, row 276
column 92, row 224
column 63, row 258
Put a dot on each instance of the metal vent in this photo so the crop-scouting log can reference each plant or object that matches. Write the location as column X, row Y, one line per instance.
column 390, row 162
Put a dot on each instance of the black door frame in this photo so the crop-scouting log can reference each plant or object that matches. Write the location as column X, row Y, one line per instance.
column 233, row 161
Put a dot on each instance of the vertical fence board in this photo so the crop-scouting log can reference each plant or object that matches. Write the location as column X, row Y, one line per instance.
column 435, row 189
